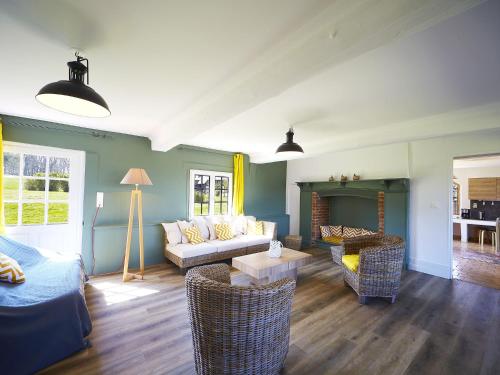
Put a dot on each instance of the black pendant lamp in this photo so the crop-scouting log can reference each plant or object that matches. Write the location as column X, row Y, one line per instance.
column 290, row 147
column 74, row 96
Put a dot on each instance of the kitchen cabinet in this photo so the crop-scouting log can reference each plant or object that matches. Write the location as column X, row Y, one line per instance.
column 484, row 189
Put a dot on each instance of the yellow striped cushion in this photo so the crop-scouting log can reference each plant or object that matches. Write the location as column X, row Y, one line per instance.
column 259, row 227
column 10, row 271
column 223, row 231
column 193, row 235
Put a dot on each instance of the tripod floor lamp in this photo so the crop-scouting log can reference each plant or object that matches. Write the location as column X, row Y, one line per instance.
column 135, row 176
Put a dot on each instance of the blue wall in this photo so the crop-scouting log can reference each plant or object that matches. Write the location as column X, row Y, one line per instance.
column 354, row 212
column 108, row 158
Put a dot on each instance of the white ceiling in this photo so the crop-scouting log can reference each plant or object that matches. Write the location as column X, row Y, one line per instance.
column 234, row 75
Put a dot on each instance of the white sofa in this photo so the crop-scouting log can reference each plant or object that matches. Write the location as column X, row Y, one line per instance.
column 186, row 255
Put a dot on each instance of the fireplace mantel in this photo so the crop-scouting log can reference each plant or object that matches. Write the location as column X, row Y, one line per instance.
column 326, row 188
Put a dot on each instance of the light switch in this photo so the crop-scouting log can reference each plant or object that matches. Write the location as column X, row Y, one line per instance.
column 100, row 200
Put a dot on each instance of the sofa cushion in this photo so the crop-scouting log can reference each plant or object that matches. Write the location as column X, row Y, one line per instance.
column 351, row 262
column 193, row 235
column 367, row 232
column 232, row 244
column 349, row 232
column 187, row 250
column 325, row 231
column 201, row 223
column 223, row 231
column 211, row 221
column 173, row 233
column 238, row 224
column 255, row 239
column 183, row 225
column 336, row 230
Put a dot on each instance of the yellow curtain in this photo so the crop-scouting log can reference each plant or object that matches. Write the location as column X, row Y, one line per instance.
column 2, row 217
column 238, row 185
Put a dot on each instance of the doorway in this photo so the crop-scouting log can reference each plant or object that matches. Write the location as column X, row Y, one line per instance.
column 475, row 208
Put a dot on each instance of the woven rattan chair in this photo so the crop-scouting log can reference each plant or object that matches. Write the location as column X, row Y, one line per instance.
column 352, row 246
column 237, row 329
column 380, row 265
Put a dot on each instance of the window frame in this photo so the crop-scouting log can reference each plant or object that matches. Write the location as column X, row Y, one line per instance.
column 211, row 206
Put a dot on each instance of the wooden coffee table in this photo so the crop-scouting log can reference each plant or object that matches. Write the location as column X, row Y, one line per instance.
column 266, row 270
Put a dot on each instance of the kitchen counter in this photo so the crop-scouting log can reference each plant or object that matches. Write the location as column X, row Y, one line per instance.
column 464, row 223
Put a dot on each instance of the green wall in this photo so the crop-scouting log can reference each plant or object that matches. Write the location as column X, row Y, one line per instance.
column 108, row 158
column 354, row 212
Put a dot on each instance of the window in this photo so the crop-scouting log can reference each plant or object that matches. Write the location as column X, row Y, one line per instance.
column 210, row 193
column 43, row 195
column 36, row 189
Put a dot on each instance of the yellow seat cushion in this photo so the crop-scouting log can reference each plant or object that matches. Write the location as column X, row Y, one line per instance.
column 351, row 262
column 223, row 232
column 10, row 271
column 335, row 240
column 193, row 235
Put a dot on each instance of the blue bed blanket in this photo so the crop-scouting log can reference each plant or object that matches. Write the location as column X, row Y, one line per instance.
column 45, row 319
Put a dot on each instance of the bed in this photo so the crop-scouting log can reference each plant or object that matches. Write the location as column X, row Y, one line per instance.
column 45, row 319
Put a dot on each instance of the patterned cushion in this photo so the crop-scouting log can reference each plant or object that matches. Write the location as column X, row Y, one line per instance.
column 336, row 230
column 349, row 232
column 223, row 232
column 259, row 227
column 193, row 235
column 366, row 232
column 325, row 231
column 351, row 262
column 183, row 225
column 10, row 271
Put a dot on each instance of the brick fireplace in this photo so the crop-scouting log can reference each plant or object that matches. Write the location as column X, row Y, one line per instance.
column 320, row 213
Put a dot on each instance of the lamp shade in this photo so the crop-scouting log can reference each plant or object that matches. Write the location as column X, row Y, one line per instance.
column 73, row 95
column 290, row 147
column 136, row 176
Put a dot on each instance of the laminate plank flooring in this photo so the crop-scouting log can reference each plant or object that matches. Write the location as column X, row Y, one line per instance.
column 437, row 326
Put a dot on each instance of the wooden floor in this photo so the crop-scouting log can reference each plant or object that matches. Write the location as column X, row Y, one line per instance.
column 477, row 264
column 437, row 326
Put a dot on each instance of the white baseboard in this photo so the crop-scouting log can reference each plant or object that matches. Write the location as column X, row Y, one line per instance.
column 431, row 268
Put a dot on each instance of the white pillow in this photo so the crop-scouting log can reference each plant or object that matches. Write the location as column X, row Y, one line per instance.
column 201, row 223
column 183, row 225
column 238, row 225
column 174, row 235
column 251, row 224
column 211, row 221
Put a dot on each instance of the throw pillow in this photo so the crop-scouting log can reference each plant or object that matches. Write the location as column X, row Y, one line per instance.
column 193, row 235
column 183, row 225
column 223, row 231
column 259, row 227
column 211, row 221
column 349, row 232
column 366, row 232
column 10, row 270
column 201, row 223
column 336, row 230
column 173, row 233
column 325, row 231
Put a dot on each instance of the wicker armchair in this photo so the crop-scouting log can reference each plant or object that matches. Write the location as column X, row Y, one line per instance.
column 236, row 329
column 380, row 266
column 352, row 245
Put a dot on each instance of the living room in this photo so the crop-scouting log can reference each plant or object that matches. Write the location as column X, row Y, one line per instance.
column 275, row 174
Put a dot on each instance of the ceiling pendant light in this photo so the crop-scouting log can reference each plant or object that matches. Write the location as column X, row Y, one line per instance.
column 290, row 147
column 74, row 96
